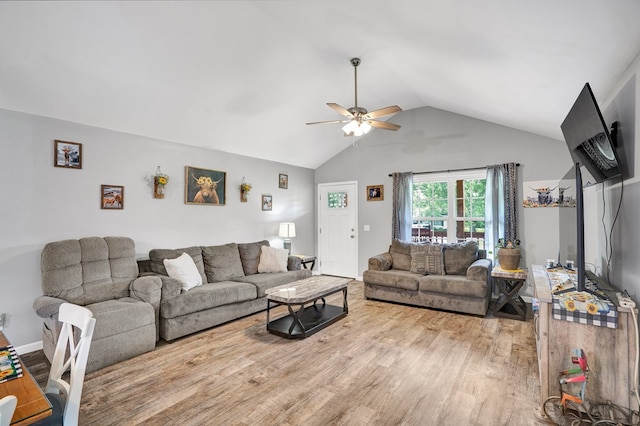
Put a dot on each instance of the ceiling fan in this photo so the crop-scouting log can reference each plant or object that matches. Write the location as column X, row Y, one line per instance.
column 360, row 121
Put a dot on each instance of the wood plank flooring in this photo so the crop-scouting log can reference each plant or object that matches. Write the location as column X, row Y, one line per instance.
column 384, row 364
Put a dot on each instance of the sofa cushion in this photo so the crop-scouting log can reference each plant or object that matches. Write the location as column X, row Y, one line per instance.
column 458, row 257
column 273, row 259
column 401, row 255
column 157, row 257
column 184, row 270
column 427, row 259
column 207, row 296
column 453, row 285
column 394, row 278
column 118, row 316
column 222, row 263
column 250, row 256
column 266, row 281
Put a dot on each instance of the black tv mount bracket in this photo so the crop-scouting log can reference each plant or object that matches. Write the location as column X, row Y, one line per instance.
column 613, row 131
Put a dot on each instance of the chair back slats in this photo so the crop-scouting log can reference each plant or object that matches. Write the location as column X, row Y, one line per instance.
column 7, row 407
column 71, row 355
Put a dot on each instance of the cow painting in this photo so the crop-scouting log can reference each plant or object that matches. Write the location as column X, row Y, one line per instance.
column 207, row 192
column 205, row 187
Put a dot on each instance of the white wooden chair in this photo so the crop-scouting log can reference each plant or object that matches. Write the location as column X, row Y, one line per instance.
column 66, row 407
column 7, row 407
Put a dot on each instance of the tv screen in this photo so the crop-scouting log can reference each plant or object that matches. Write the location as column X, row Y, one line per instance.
column 588, row 138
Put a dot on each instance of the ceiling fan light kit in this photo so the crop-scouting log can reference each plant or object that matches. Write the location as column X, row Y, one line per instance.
column 360, row 121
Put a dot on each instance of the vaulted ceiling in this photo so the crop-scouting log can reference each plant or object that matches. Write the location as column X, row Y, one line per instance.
column 245, row 76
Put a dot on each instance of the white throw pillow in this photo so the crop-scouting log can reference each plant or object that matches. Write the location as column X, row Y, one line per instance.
column 183, row 269
column 273, row 259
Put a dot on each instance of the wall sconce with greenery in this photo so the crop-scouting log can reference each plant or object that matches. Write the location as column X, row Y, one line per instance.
column 244, row 190
column 160, row 180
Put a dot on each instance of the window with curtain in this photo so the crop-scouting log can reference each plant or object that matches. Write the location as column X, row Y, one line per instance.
column 449, row 207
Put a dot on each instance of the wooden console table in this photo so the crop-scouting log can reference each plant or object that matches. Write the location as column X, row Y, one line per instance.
column 610, row 352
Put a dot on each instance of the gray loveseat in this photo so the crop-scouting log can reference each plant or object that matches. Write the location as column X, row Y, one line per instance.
column 232, row 286
column 100, row 274
column 454, row 277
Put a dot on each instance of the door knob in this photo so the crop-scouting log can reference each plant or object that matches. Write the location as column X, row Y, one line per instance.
column 353, row 236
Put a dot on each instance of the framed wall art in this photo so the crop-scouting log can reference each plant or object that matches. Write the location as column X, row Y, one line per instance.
column 375, row 192
column 204, row 186
column 112, row 197
column 267, row 203
column 67, row 154
column 283, row 181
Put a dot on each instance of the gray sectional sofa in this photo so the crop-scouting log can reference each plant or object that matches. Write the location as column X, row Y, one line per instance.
column 454, row 277
column 232, row 286
column 134, row 309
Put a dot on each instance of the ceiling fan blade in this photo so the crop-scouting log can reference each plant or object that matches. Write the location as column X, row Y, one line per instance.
column 384, row 125
column 383, row 111
column 340, row 109
column 328, row 122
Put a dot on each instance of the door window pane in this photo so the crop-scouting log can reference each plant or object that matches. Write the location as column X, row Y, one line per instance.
column 337, row 200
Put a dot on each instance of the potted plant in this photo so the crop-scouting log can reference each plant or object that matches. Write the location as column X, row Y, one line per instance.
column 244, row 191
column 159, row 182
column 508, row 254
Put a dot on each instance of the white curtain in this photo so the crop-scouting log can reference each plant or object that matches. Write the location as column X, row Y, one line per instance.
column 402, row 217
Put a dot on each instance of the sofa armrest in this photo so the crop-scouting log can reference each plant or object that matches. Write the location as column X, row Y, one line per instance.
column 381, row 262
column 171, row 287
column 480, row 270
column 294, row 263
column 47, row 306
column 147, row 288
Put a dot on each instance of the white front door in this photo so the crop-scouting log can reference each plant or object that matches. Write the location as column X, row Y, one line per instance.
column 337, row 236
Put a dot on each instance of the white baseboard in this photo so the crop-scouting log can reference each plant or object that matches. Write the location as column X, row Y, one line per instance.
column 29, row 347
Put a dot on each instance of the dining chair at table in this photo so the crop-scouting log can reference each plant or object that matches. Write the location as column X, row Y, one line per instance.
column 7, row 407
column 65, row 396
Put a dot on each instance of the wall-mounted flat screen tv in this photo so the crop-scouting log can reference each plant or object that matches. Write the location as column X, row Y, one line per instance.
column 588, row 138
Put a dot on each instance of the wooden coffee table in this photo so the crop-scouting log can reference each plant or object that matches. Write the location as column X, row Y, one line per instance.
column 302, row 322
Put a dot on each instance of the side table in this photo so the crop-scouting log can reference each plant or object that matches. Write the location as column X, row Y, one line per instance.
column 305, row 260
column 509, row 303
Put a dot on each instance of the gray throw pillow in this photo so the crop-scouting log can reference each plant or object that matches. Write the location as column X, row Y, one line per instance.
column 157, row 257
column 222, row 263
column 401, row 255
column 427, row 259
column 250, row 256
column 459, row 256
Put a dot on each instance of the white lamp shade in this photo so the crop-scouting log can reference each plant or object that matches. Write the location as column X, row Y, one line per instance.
column 287, row 230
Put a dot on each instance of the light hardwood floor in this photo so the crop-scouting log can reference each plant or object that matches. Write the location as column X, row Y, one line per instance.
column 384, row 364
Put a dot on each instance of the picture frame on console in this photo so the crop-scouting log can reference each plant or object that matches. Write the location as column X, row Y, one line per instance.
column 375, row 192
column 205, row 186
column 111, row 197
column 67, row 154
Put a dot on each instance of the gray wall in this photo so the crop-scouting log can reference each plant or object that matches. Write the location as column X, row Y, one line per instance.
column 432, row 139
column 623, row 105
column 42, row 203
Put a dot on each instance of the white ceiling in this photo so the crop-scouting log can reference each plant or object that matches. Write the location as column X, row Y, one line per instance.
column 245, row 76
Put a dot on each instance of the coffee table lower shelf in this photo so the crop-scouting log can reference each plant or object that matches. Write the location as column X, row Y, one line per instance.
column 313, row 318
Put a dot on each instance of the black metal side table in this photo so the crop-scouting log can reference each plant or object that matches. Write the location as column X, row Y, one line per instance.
column 305, row 260
column 509, row 303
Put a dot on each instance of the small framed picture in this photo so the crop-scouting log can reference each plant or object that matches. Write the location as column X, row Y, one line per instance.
column 112, row 197
column 205, row 187
column 375, row 192
column 67, row 154
column 283, row 181
column 267, row 203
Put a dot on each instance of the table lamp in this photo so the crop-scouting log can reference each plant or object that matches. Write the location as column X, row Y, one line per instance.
column 287, row 230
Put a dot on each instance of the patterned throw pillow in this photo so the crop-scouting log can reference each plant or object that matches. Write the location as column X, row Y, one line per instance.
column 427, row 259
column 459, row 256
